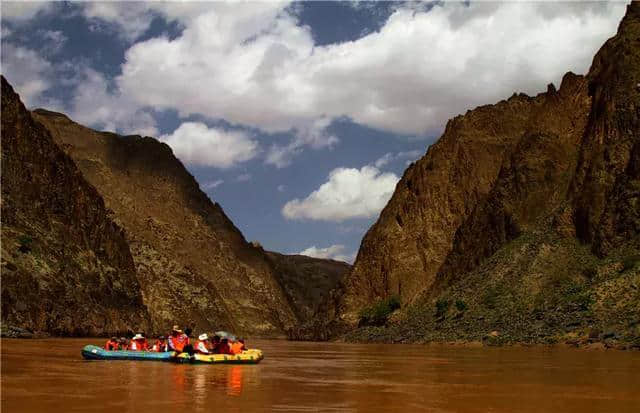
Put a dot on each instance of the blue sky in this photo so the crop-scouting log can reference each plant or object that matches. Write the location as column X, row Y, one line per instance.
column 298, row 118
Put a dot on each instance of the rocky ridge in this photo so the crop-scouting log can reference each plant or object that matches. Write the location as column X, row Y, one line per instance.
column 66, row 266
column 522, row 221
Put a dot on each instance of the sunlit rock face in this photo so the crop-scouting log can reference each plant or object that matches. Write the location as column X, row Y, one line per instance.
column 523, row 197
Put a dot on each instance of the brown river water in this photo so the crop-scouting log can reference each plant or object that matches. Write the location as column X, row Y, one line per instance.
column 51, row 376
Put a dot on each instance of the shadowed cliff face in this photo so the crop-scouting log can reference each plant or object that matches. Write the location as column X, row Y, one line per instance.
column 525, row 212
column 194, row 265
column 313, row 287
column 66, row 266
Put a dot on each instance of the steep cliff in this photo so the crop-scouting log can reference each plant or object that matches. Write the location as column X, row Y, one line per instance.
column 194, row 265
column 523, row 219
column 66, row 266
column 313, row 287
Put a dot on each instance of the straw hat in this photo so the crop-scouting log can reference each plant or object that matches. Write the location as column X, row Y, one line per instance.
column 176, row 328
column 203, row 337
column 138, row 337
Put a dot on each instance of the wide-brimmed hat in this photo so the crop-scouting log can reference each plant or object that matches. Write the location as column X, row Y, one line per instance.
column 203, row 337
column 176, row 328
column 138, row 337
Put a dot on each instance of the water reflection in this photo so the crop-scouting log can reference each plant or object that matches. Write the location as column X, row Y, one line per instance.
column 41, row 376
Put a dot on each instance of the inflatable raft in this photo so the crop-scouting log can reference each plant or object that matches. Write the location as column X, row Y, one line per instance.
column 251, row 356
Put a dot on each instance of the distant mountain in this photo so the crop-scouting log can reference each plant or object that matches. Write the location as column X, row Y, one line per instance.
column 104, row 233
column 66, row 265
column 522, row 221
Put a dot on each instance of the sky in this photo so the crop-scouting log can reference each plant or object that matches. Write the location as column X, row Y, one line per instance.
column 298, row 118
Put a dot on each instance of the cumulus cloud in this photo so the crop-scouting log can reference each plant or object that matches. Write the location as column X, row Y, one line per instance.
column 128, row 19
column 419, row 69
column 27, row 72
column 197, row 144
column 348, row 193
column 95, row 105
column 333, row 252
column 21, row 11
column 281, row 188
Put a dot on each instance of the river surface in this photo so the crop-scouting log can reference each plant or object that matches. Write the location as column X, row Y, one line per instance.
column 51, row 376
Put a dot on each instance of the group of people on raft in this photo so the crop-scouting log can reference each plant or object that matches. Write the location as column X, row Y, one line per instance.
column 179, row 342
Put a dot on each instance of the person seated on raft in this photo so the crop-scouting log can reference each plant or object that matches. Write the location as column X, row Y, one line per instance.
column 112, row 344
column 215, row 343
column 139, row 343
column 178, row 341
column 203, row 345
column 224, row 347
column 123, row 344
column 160, row 345
column 238, row 346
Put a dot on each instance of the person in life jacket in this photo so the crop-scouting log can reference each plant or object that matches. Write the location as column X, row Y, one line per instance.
column 202, row 345
column 160, row 345
column 224, row 347
column 123, row 344
column 139, row 343
column 215, row 343
column 112, row 344
column 177, row 340
column 238, row 346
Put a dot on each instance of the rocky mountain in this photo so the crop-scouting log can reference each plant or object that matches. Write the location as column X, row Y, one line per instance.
column 194, row 266
column 104, row 233
column 66, row 265
column 522, row 221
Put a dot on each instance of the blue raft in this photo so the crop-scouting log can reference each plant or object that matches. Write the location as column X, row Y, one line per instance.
column 98, row 353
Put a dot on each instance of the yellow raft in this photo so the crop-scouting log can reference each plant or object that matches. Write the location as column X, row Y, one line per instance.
column 250, row 356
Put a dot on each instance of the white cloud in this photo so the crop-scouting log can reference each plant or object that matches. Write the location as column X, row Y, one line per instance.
column 197, row 144
column 20, row 11
column 409, row 77
column 390, row 157
column 212, row 184
column 93, row 104
column 281, row 188
column 27, row 72
column 243, row 177
column 128, row 19
column 348, row 193
column 52, row 40
column 333, row 252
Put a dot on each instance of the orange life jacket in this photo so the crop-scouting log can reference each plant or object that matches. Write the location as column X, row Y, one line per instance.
column 111, row 345
column 139, row 345
column 178, row 343
column 237, row 347
column 159, row 346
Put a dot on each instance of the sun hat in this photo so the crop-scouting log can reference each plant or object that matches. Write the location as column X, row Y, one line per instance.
column 138, row 337
column 203, row 337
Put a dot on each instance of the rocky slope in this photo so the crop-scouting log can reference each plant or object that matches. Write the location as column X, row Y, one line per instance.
column 194, row 266
column 66, row 266
column 313, row 287
column 522, row 220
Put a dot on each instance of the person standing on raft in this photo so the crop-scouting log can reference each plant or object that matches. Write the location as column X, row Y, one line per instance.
column 178, row 341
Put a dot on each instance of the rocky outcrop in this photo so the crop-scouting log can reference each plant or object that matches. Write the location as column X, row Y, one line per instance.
column 522, row 219
column 66, row 265
column 313, row 287
column 194, row 266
